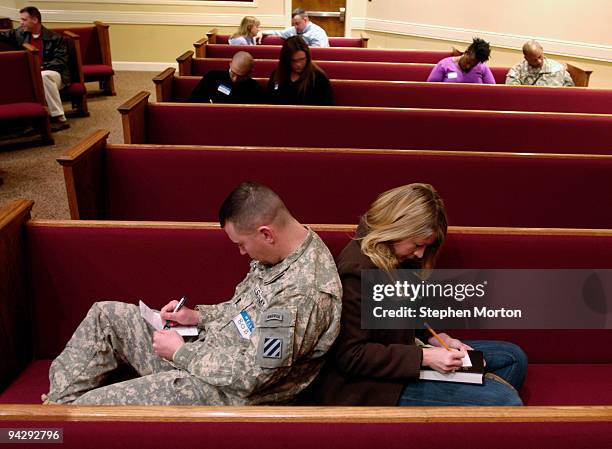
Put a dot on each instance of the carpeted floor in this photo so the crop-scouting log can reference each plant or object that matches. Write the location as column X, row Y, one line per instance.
column 33, row 173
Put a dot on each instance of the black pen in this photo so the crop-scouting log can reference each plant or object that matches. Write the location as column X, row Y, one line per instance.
column 180, row 304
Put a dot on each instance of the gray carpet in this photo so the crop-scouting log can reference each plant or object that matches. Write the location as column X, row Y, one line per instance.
column 33, row 173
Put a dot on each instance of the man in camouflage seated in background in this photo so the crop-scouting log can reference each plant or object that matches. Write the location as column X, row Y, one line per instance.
column 263, row 346
column 538, row 70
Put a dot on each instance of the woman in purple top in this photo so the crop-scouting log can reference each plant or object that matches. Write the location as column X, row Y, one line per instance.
column 470, row 67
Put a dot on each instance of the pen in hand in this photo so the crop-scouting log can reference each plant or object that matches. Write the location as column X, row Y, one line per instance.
column 433, row 332
column 180, row 304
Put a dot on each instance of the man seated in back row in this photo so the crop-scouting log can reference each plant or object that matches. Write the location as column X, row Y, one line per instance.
column 313, row 34
column 54, row 62
column 538, row 70
column 229, row 86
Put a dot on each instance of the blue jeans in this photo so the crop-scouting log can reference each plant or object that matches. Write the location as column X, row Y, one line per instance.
column 504, row 359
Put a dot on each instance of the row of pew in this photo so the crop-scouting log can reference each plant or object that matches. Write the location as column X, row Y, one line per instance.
column 352, row 49
column 401, row 94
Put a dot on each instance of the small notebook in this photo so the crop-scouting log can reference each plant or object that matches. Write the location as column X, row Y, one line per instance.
column 473, row 374
column 152, row 317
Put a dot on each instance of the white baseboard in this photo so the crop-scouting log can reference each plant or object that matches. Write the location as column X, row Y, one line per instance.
column 143, row 66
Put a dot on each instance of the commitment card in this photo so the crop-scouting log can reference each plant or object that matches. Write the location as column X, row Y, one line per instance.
column 152, row 317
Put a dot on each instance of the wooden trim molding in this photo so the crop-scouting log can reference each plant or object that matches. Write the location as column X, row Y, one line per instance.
column 288, row 414
column 475, row 230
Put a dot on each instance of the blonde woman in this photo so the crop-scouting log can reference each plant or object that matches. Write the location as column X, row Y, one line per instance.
column 404, row 228
column 247, row 32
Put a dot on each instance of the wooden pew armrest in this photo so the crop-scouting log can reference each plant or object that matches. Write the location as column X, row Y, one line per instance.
column 104, row 38
column 212, row 35
column 163, row 85
column 365, row 37
column 184, row 63
column 15, row 309
column 84, row 176
column 133, row 117
column 579, row 76
column 200, row 47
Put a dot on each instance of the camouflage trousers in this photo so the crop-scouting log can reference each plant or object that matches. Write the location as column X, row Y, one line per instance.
column 113, row 333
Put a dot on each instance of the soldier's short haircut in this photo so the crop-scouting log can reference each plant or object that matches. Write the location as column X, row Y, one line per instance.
column 251, row 205
column 32, row 11
column 299, row 12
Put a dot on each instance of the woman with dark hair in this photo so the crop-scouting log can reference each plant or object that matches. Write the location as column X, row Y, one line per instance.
column 297, row 79
column 405, row 228
column 470, row 67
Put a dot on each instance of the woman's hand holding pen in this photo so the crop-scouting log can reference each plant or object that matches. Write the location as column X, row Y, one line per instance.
column 442, row 360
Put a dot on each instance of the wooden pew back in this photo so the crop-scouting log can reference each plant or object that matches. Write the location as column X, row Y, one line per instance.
column 331, row 53
column 348, row 127
column 190, row 182
column 357, row 70
column 401, row 94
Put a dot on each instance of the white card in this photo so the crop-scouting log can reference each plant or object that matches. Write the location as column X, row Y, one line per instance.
column 152, row 317
column 467, row 362
column 451, row 75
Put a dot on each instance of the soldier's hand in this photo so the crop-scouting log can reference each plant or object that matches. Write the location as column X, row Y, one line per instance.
column 185, row 316
column 165, row 343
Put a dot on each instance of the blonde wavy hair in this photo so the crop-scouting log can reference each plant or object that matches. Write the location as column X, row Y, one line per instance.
column 412, row 211
column 245, row 26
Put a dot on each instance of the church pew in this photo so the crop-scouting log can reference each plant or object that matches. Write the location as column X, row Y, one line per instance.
column 22, row 99
column 187, row 183
column 69, row 265
column 95, row 54
column 359, row 70
column 209, row 50
column 354, row 127
column 170, row 88
column 213, row 37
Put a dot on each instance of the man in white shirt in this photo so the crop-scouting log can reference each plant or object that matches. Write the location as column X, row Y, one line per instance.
column 313, row 34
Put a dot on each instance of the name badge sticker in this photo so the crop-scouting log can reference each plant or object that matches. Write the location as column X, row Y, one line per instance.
column 224, row 89
column 244, row 324
column 451, row 75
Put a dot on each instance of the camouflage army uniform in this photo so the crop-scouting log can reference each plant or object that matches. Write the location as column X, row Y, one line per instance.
column 552, row 73
column 294, row 307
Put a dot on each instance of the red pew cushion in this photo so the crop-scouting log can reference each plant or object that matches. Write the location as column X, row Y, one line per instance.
column 546, row 384
column 95, row 70
column 74, row 90
column 21, row 110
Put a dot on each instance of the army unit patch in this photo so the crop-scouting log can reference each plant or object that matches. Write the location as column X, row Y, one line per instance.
column 272, row 348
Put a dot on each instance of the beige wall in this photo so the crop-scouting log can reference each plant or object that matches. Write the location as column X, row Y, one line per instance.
column 585, row 21
column 160, row 42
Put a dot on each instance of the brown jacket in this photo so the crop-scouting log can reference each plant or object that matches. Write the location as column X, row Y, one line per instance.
column 366, row 367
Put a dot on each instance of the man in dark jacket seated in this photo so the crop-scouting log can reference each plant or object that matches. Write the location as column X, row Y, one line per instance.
column 229, row 86
column 52, row 47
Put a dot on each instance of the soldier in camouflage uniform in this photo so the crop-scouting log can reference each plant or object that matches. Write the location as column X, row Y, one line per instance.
column 537, row 70
column 263, row 346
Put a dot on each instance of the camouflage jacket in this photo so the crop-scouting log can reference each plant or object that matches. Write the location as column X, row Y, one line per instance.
column 552, row 73
column 267, row 343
